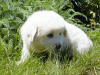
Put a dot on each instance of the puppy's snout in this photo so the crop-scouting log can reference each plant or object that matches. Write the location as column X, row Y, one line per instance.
column 58, row 46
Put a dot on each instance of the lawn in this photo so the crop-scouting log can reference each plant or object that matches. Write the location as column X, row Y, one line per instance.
column 14, row 13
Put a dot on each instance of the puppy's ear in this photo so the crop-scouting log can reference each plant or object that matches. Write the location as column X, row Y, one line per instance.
column 28, row 32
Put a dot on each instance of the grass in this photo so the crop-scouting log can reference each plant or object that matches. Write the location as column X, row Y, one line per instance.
column 14, row 13
column 88, row 64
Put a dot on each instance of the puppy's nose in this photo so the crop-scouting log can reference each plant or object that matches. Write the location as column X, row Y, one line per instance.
column 58, row 46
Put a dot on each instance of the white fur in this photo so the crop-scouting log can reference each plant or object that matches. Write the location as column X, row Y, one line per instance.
column 78, row 38
column 40, row 24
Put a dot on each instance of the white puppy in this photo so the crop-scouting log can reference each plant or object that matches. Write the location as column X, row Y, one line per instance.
column 45, row 30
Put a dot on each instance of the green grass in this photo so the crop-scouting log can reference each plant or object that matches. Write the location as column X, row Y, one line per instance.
column 89, row 63
column 14, row 13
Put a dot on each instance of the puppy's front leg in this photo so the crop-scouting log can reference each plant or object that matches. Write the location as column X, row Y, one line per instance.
column 25, row 54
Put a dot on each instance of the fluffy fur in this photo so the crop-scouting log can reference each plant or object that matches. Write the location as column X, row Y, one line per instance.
column 45, row 30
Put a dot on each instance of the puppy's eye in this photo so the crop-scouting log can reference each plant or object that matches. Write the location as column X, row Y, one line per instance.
column 50, row 35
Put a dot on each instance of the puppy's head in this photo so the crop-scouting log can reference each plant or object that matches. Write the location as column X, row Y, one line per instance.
column 48, row 30
column 49, row 38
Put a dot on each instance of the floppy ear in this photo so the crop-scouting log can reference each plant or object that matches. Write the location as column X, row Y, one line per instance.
column 33, row 34
column 28, row 32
